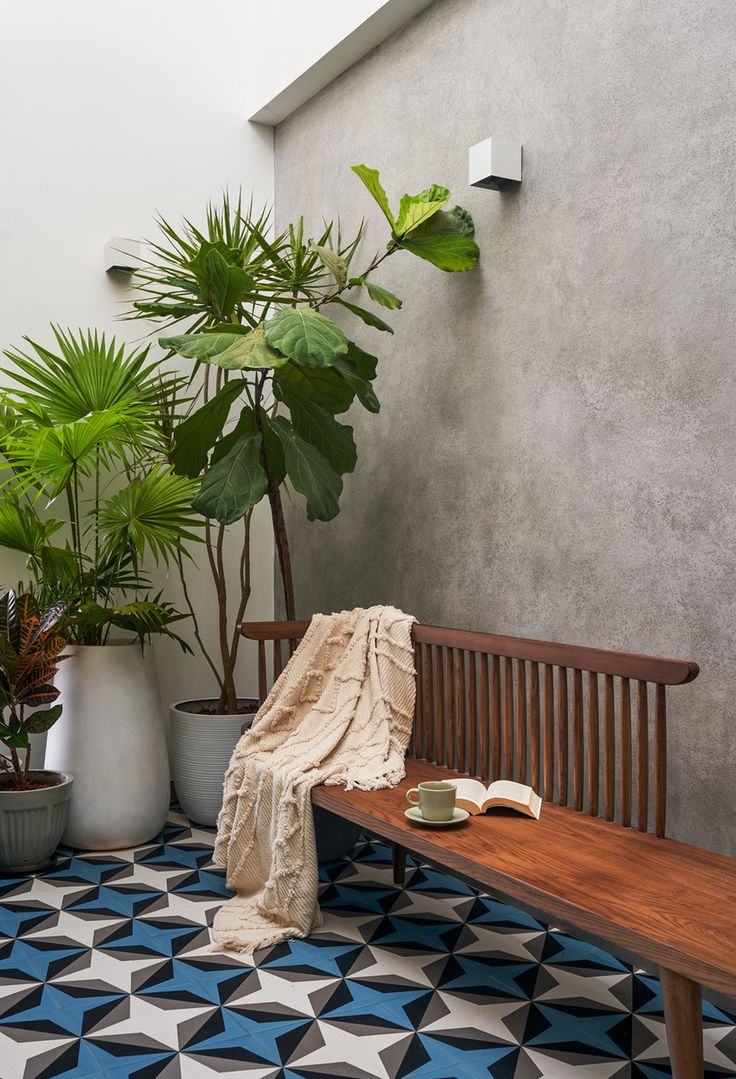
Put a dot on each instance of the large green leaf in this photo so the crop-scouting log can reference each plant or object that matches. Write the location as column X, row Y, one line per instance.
column 231, row 350
column 322, row 384
column 195, row 436
column 306, row 336
column 380, row 295
column 228, row 285
column 310, row 472
column 443, row 241
column 364, row 362
column 318, row 426
column 40, row 721
column 235, row 483
column 365, row 316
column 414, row 210
column 359, row 384
column 372, row 181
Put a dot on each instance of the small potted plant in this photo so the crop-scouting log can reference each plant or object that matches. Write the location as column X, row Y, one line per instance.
column 33, row 804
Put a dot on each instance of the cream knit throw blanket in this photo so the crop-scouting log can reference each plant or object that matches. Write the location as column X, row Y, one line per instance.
column 341, row 713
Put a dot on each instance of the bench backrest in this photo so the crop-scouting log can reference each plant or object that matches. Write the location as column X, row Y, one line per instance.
column 585, row 727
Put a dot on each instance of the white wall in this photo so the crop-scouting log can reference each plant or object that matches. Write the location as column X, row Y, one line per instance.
column 110, row 113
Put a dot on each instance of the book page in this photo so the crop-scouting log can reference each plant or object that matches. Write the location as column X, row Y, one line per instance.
column 470, row 794
column 514, row 795
column 510, row 792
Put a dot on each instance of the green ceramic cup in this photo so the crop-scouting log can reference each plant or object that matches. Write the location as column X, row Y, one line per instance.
column 435, row 798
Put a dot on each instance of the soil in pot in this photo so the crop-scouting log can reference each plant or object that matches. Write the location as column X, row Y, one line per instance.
column 247, row 706
column 47, row 779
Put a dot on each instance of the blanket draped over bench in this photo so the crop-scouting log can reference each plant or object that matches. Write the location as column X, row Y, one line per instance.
column 341, row 713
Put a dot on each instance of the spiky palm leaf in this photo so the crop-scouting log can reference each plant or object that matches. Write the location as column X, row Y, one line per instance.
column 153, row 513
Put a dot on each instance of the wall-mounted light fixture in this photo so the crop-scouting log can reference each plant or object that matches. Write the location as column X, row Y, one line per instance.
column 495, row 162
column 122, row 256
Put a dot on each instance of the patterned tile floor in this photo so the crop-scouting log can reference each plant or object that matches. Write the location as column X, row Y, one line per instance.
column 105, row 970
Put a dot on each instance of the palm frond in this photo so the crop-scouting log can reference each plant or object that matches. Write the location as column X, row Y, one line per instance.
column 153, row 513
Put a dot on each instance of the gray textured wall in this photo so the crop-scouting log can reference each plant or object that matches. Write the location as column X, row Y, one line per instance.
column 554, row 455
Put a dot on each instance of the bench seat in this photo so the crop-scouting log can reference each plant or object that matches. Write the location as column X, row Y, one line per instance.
column 670, row 903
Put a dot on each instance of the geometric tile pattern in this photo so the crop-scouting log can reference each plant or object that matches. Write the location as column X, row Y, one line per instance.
column 105, row 969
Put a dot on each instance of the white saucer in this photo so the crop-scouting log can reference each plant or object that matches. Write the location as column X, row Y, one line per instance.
column 415, row 815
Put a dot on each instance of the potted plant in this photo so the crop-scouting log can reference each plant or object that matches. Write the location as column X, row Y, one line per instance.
column 87, row 496
column 276, row 372
column 33, row 803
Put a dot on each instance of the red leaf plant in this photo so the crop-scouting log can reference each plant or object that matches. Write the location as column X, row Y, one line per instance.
column 30, row 653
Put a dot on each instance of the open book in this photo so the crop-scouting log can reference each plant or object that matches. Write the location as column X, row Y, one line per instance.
column 477, row 798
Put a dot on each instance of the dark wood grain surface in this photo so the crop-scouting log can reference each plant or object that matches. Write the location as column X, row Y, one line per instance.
column 673, row 904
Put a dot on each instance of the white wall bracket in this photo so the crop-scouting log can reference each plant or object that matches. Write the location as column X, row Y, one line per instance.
column 122, row 256
column 494, row 163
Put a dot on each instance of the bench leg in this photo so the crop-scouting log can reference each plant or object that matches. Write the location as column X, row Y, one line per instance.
column 683, row 1018
column 399, row 864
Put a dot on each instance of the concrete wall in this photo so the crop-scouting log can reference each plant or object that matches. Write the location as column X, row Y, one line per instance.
column 555, row 453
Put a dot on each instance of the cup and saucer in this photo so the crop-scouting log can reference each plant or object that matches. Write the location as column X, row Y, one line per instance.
column 433, row 803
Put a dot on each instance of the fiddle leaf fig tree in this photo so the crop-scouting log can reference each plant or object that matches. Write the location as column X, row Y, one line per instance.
column 277, row 370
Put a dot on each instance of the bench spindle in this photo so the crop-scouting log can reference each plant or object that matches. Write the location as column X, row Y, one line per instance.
column 642, row 758
column 449, row 756
column 508, row 719
column 417, row 744
column 626, row 752
column 563, row 748
column 262, row 677
column 609, row 753
column 660, row 761
column 472, row 714
column 521, row 763
column 496, row 718
column 593, row 746
column 534, row 746
column 485, row 717
column 578, row 741
column 549, row 733
column 461, row 744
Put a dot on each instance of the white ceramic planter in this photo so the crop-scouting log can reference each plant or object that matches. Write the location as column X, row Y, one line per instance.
column 111, row 736
column 202, row 746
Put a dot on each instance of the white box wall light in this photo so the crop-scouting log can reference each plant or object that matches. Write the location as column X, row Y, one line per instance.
column 495, row 162
column 122, row 256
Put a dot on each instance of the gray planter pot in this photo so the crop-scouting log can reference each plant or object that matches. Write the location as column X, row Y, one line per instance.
column 32, row 823
column 202, row 745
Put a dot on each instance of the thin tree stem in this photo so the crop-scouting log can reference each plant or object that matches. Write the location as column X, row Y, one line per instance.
column 245, row 588
column 195, row 622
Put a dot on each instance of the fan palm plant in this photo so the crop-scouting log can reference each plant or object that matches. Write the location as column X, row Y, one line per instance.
column 87, row 494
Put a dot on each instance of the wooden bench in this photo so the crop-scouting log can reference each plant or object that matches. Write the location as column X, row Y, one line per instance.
column 588, row 729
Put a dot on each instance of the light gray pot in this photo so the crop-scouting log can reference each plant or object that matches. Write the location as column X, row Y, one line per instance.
column 32, row 823
column 111, row 734
column 202, row 745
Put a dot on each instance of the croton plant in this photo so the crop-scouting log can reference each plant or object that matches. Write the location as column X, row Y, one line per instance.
column 30, row 652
